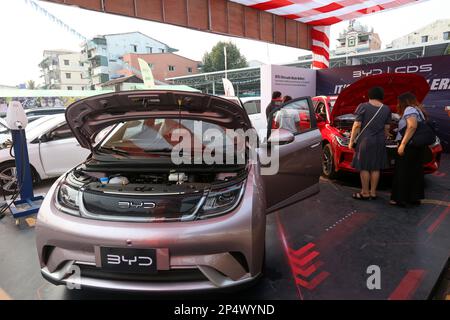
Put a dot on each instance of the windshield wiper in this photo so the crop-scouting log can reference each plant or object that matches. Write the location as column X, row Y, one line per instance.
column 163, row 150
column 114, row 150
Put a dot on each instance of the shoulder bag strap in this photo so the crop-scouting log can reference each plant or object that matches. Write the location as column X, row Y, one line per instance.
column 368, row 123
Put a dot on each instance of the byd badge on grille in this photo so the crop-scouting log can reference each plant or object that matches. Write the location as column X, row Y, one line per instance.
column 136, row 205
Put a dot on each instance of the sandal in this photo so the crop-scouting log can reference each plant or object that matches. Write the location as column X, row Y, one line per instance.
column 359, row 196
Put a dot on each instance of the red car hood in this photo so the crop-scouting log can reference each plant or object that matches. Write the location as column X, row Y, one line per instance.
column 394, row 84
column 89, row 116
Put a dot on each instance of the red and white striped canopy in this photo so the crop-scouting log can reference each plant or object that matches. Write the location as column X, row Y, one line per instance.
column 323, row 13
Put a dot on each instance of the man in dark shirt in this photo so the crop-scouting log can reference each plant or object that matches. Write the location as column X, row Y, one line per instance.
column 276, row 102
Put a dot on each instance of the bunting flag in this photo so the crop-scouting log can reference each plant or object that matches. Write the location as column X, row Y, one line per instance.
column 320, row 14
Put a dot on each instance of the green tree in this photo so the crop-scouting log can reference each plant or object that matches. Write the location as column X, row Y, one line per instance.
column 31, row 85
column 215, row 60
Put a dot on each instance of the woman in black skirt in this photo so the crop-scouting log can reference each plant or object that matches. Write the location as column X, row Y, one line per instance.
column 371, row 126
column 408, row 183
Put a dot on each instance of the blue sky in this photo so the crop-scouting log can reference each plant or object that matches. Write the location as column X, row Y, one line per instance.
column 25, row 34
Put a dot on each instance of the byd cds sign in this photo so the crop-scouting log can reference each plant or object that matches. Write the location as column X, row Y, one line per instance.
column 436, row 70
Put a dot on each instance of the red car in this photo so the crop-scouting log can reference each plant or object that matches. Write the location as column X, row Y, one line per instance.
column 335, row 117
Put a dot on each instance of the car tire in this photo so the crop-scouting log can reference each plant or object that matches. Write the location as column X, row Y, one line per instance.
column 328, row 167
column 8, row 181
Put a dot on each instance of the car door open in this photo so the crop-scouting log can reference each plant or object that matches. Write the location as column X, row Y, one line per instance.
column 299, row 158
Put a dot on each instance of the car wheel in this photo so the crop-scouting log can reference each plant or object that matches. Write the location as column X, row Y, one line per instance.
column 8, row 178
column 328, row 168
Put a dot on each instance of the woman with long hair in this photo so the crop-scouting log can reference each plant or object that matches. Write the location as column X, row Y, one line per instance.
column 408, row 182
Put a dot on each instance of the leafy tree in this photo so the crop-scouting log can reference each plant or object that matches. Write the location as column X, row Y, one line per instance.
column 215, row 60
column 31, row 85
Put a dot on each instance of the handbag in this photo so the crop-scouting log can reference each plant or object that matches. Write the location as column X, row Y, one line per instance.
column 355, row 141
column 424, row 135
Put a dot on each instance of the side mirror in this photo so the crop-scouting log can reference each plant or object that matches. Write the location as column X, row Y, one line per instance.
column 281, row 137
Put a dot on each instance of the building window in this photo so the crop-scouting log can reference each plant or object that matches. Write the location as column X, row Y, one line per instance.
column 149, row 49
column 351, row 42
column 447, row 35
column 69, row 88
column 134, row 47
column 424, row 39
column 162, row 50
column 66, row 62
column 68, row 75
column 189, row 70
column 171, row 68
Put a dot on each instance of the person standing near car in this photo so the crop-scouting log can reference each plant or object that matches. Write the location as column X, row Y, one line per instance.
column 408, row 182
column 368, row 138
column 276, row 102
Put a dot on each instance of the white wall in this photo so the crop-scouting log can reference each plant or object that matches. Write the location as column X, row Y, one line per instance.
column 290, row 81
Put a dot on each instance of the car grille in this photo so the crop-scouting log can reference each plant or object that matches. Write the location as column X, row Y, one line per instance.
column 159, row 208
column 178, row 275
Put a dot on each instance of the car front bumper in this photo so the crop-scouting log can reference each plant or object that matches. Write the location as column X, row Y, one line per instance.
column 220, row 252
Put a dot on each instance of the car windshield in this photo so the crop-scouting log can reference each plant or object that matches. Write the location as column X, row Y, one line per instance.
column 34, row 128
column 159, row 136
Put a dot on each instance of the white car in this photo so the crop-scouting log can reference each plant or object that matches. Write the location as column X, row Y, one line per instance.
column 252, row 106
column 256, row 114
column 52, row 150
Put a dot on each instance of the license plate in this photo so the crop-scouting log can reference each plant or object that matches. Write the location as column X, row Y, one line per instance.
column 128, row 260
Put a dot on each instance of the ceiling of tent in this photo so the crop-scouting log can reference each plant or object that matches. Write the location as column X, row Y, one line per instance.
column 324, row 12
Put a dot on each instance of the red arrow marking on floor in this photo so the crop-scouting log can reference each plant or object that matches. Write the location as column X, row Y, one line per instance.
column 302, row 262
column 314, row 282
column 302, row 250
column 308, row 271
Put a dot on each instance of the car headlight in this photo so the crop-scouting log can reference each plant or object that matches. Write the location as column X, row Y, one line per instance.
column 342, row 141
column 221, row 201
column 68, row 198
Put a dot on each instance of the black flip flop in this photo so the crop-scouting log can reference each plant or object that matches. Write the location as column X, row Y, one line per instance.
column 359, row 196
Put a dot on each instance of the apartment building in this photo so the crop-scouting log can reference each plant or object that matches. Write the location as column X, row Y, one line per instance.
column 103, row 54
column 62, row 69
column 435, row 32
column 163, row 65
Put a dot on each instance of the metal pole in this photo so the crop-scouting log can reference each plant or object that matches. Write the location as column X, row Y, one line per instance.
column 225, row 55
column 214, row 87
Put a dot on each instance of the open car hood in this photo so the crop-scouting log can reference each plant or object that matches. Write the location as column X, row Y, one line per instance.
column 394, row 84
column 89, row 116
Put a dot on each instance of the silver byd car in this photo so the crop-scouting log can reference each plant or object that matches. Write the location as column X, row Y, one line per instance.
column 129, row 218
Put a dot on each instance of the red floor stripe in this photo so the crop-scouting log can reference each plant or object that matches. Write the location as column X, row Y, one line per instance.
column 408, row 285
column 431, row 229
